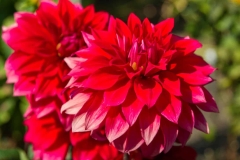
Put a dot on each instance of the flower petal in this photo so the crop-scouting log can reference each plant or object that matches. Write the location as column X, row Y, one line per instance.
column 170, row 82
column 131, row 108
column 200, row 121
column 147, row 90
column 210, row 105
column 96, row 113
column 170, row 132
column 173, row 110
column 103, row 79
column 186, row 119
column 192, row 94
column 165, row 26
column 115, row 125
column 149, row 122
column 155, row 147
column 129, row 141
column 117, row 94
column 74, row 105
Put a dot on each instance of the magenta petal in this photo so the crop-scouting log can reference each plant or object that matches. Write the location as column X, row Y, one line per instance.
column 170, row 132
column 173, row 110
column 210, row 105
column 96, row 114
column 200, row 121
column 170, row 82
column 155, row 147
column 129, row 141
column 192, row 94
column 115, row 125
column 74, row 105
column 131, row 108
column 117, row 95
column 103, row 78
column 149, row 122
column 147, row 90
column 186, row 119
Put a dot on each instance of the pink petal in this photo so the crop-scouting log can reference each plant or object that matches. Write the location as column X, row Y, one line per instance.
column 131, row 108
column 95, row 116
column 129, row 141
column 88, row 38
column 149, row 122
column 210, row 105
column 147, row 90
column 200, row 121
column 170, row 82
column 115, row 125
column 117, row 94
column 173, row 110
column 186, row 119
column 74, row 105
column 103, row 79
column 73, row 62
column 155, row 147
column 78, row 123
column 170, row 132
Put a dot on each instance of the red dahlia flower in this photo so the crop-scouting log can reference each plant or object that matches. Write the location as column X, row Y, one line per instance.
column 51, row 142
column 40, row 42
column 142, row 83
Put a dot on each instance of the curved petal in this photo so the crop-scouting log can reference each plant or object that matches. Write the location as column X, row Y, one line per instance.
column 170, row 82
column 200, row 121
column 170, row 132
column 147, row 90
column 129, row 141
column 131, row 108
column 117, row 94
column 149, row 122
column 115, row 125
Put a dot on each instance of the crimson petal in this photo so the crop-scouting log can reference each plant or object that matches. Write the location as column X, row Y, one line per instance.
column 170, row 132
column 147, row 90
column 149, row 122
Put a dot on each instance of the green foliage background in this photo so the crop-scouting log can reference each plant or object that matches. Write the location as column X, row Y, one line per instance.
column 216, row 23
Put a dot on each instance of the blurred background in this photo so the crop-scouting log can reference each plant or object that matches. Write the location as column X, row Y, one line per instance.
column 215, row 23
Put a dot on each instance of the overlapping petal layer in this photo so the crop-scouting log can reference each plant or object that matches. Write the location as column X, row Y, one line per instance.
column 142, row 84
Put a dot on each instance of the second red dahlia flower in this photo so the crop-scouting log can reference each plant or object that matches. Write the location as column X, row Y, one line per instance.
column 142, row 83
column 40, row 42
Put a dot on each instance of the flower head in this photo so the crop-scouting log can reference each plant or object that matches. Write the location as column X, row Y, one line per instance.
column 142, row 84
column 40, row 42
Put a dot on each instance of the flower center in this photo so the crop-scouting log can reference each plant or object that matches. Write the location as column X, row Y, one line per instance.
column 68, row 45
